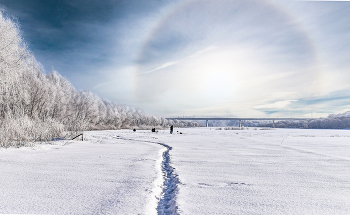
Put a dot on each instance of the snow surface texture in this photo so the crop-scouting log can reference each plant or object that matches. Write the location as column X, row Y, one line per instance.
column 103, row 175
column 254, row 172
column 201, row 171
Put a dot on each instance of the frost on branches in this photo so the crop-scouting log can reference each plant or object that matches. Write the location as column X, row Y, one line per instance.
column 38, row 106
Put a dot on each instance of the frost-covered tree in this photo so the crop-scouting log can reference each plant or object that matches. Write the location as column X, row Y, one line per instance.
column 38, row 106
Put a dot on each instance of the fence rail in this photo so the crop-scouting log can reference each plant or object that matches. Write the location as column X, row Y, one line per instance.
column 82, row 137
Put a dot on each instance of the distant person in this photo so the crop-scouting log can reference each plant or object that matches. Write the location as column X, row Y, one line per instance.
column 153, row 129
column 134, row 129
column 171, row 129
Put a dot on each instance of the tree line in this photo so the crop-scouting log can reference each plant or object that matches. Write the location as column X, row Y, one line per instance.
column 333, row 121
column 35, row 105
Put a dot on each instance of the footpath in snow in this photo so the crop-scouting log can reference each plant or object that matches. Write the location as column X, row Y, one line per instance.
column 166, row 185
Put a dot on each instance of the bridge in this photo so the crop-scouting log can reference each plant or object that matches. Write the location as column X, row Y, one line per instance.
column 235, row 118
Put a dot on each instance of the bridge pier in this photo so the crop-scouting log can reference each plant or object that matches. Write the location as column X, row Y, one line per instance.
column 240, row 123
column 207, row 123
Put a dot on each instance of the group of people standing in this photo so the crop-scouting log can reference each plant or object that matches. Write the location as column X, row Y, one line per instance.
column 154, row 129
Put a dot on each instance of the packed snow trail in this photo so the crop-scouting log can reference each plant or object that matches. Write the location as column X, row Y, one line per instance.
column 167, row 204
column 167, row 201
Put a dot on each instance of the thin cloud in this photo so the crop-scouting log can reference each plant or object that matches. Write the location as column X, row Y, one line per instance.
column 161, row 67
column 278, row 104
column 100, row 85
column 203, row 51
column 176, row 62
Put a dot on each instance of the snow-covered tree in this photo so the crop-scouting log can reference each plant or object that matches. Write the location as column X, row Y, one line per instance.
column 39, row 106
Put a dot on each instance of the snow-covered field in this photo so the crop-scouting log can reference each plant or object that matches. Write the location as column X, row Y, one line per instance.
column 283, row 171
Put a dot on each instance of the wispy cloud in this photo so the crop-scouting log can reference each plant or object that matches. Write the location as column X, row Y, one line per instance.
column 100, row 85
column 160, row 67
column 196, row 54
column 203, row 51
column 277, row 104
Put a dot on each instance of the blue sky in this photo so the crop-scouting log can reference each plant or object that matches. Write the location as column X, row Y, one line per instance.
column 251, row 58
